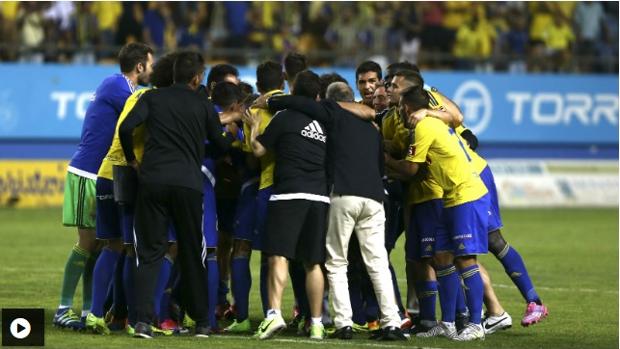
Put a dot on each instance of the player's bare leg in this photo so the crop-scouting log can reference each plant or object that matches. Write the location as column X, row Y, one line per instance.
column 495, row 318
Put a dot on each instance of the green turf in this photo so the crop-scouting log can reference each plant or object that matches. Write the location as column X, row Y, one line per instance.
column 572, row 256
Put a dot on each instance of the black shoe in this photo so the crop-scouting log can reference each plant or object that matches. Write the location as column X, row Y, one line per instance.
column 376, row 334
column 143, row 330
column 393, row 334
column 462, row 319
column 202, row 331
column 343, row 333
column 418, row 328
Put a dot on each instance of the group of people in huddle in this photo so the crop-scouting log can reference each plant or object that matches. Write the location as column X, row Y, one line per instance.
column 174, row 185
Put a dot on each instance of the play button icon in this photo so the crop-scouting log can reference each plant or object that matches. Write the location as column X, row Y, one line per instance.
column 23, row 327
column 20, row 328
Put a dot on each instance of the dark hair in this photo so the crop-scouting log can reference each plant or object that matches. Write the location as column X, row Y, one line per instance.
column 246, row 88
column 269, row 76
column 394, row 68
column 225, row 93
column 411, row 76
column 340, row 92
column 133, row 53
column 249, row 99
column 187, row 65
column 327, row 79
column 162, row 70
column 415, row 98
column 219, row 71
column 307, row 84
column 293, row 64
column 368, row 66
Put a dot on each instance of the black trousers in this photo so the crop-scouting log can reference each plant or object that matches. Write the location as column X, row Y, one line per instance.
column 156, row 207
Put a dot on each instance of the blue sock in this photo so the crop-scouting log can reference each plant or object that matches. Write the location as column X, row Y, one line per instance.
column 427, row 297
column 213, row 281
column 264, row 272
column 241, row 282
column 102, row 278
column 120, row 300
column 222, row 292
column 515, row 268
column 461, row 307
column 447, row 283
column 128, row 283
column 162, row 282
column 474, row 291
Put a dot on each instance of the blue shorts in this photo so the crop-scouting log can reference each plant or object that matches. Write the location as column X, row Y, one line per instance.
column 425, row 223
column 109, row 213
column 466, row 228
column 495, row 220
column 243, row 227
column 209, row 215
column 393, row 206
column 262, row 201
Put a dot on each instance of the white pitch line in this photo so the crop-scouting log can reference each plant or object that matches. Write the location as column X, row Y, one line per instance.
column 551, row 289
column 353, row 342
column 562, row 289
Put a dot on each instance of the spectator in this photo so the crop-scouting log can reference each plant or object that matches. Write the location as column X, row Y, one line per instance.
column 130, row 24
column 155, row 24
column 515, row 42
column 32, row 31
column 108, row 14
column 8, row 29
column 559, row 37
column 589, row 21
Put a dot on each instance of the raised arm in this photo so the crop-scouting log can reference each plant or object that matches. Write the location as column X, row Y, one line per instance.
column 222, row 140
column 305, row 105
column 360, row 110
column 252, row 119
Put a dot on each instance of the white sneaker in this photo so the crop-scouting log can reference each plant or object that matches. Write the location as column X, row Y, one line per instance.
column 270, row 327
column 494, row 323
column 445, row 329
column 471, row 332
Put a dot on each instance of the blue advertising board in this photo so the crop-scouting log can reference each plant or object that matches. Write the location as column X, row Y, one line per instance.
column 49, row 102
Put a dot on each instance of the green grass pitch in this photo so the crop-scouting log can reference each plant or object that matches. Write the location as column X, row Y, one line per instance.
column 572, row 256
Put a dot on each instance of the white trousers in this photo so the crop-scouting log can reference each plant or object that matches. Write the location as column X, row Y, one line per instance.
column 367, row 218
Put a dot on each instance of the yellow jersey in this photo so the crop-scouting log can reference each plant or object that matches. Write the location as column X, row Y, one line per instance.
column 393, row 129
column 477, row 161
column 449, row 164
column 427, row 189
column 267, row 161
column 115, row 155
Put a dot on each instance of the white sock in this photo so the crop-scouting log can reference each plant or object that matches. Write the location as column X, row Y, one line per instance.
column 272, row 313
column 317, row 320
column 63, row 307
column 85, row 313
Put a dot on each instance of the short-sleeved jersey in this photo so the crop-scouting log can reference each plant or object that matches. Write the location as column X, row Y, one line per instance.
column 299, row 144
column 427, row 189
column 99, row 124
column 267, row 162
column 448, row 162
column 115, row 155
column 393, row 129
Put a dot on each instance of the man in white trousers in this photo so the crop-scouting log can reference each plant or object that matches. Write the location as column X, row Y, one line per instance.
column 355, row 163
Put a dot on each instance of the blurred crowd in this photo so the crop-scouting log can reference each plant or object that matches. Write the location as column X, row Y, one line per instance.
column 484, row 36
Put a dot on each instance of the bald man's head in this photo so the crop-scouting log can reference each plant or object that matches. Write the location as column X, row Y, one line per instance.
column 339, row 92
